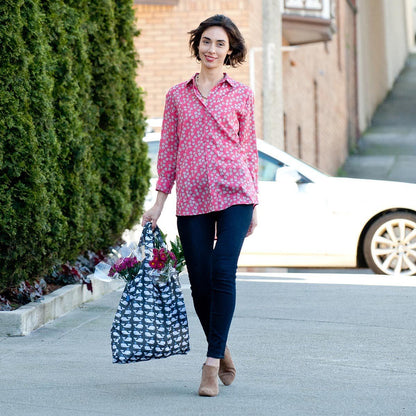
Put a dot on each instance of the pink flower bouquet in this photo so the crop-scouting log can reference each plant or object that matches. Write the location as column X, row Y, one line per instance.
column 167, row 262
column 127, row 268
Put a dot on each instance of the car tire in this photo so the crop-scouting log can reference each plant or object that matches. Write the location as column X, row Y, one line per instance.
column 390, row 244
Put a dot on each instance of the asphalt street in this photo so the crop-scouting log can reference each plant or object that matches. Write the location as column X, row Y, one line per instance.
column 304, row 344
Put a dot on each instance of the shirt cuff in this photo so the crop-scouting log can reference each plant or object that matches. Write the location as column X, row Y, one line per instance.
column 164, row 185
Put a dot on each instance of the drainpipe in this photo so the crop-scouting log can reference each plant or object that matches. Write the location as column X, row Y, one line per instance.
column 353, row 6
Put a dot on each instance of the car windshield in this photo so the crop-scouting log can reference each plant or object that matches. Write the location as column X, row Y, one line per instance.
column 268, row 167
column 296, row 163
column 314, row 167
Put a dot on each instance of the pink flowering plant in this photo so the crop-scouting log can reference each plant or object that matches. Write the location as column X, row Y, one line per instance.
column 126, row 267
column 126, row 261
column 168, row 262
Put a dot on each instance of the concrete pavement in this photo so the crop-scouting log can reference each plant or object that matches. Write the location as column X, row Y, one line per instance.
column 304, row 345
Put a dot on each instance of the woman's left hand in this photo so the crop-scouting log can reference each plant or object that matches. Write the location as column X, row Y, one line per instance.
column 253, row 223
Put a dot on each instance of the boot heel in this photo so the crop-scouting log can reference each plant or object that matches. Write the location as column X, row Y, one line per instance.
column 227, row 369
column 209, row 381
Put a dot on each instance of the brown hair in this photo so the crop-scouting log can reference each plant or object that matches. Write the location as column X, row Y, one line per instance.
column 237, row 44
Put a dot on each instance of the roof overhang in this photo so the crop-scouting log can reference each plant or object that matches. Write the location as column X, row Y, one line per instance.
column 298, row 30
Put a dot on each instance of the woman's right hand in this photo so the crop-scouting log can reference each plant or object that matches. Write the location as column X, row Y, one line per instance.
column 153, row 214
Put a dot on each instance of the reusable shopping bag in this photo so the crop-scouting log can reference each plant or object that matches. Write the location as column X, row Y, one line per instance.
column 151, row 320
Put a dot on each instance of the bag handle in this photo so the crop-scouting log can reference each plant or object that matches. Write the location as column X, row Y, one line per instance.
column 151, row 238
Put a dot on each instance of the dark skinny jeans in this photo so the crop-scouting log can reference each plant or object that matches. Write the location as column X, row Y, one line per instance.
column 212, row 268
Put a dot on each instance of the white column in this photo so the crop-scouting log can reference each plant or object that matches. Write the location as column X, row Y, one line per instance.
column 272, row 74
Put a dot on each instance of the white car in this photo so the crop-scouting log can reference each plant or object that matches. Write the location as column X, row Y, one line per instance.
column 310, row 219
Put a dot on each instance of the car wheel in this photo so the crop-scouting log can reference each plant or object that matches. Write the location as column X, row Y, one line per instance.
column 390, row 244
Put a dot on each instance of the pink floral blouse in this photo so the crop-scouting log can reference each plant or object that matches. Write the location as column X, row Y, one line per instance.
column 209, row 147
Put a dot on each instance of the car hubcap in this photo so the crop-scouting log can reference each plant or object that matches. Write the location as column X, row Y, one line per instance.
column 393, row 247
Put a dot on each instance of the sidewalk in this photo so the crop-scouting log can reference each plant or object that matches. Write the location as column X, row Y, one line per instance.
column 387, row 150
column 304, row 345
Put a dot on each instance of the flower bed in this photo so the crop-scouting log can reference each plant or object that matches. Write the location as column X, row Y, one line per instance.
column 62, row 275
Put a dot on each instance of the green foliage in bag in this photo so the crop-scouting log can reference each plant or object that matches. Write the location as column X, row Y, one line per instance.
column 73, row 168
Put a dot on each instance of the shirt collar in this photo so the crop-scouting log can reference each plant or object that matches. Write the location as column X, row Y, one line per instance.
column 226, row 78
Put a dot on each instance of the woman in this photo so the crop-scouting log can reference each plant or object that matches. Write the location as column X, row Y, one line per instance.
column 208, row 146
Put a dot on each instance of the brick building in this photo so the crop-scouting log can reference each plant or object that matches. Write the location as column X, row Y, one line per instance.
column 163, row 43
column 319, row 75
column 319, row 102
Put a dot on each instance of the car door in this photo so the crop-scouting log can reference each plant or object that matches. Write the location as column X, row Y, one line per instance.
column 293, row 218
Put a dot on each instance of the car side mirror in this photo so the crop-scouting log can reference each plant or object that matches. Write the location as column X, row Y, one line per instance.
column 287, row 174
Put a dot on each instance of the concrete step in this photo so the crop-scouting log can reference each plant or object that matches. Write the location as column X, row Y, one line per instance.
column 29, row 317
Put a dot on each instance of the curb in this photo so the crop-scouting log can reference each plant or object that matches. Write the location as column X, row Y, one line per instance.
column 29, row 317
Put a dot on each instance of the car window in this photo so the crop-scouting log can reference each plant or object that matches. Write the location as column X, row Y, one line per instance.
column 153, row 148
column 268, row 167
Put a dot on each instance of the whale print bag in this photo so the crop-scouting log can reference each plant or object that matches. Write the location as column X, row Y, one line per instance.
column 151, row 320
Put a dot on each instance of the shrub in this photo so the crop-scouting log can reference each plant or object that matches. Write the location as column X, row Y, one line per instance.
column 73, row 168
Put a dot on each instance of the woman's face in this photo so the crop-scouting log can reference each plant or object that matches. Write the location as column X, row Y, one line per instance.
column 213, row 47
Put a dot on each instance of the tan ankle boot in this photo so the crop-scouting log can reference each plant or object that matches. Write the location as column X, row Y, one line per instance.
column 227, row 369
column 209, row 381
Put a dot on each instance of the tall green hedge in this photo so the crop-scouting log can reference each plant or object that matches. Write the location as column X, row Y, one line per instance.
column 73, row 168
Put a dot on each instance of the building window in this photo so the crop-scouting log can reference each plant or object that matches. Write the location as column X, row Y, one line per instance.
column 307, row 21
column 303, row 4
